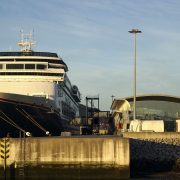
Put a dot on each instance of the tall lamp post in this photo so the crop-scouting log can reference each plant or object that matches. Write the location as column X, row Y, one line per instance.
column 134, row 31
column 112, row 97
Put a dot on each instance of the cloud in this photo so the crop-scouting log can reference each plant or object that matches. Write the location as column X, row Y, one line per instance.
column 92, row 36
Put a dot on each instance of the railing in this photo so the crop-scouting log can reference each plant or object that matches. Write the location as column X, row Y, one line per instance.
column 31, row 73
column 46, row 54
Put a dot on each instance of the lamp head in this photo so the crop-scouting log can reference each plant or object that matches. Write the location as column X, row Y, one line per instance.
column 135, row 31
column 28, row 134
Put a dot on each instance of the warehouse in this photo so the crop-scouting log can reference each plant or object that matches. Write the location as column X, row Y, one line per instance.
column 148, row 107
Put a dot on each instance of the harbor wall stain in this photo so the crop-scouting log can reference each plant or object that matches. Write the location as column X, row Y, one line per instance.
column 105, row 156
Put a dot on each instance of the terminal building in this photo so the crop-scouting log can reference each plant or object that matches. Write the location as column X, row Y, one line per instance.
column 155, row 108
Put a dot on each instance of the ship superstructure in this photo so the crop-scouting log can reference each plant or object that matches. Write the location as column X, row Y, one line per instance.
column 38, row 79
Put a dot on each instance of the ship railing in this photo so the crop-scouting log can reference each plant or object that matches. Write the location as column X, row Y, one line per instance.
column 31, row 53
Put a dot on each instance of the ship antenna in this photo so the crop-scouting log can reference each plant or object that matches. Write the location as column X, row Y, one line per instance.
column 33, row 34
column 26, row 42
column 21, row 35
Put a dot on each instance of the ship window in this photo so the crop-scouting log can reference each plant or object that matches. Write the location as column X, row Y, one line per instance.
column 1, row 66
column 29, row 66
column 41, row 66
column 14, row 66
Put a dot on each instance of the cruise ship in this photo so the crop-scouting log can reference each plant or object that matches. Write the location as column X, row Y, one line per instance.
column 36, row 95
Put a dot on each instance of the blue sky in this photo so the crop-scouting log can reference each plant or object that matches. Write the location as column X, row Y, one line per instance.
column 92, row 37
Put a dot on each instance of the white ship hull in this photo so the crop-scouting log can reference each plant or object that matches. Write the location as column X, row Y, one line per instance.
column 35, row 93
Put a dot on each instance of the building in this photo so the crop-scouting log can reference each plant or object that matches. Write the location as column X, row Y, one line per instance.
column 148, row 107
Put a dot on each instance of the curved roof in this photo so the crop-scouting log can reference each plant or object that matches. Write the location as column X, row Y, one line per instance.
column 157, row 97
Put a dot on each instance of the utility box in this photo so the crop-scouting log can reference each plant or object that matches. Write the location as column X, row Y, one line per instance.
column 103, row 131
column 178, row 125
column 146, row 125
column 65, row 133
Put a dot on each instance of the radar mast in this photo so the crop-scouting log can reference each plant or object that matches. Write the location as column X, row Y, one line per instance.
column 26, row 42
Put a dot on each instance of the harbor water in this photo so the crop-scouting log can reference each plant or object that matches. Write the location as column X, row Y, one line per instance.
column 65, row 172
column 71, row 173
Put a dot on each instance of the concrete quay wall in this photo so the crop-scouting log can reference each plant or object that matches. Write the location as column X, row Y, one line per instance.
column 103, row 156
column 152, row 135
column 153, row 152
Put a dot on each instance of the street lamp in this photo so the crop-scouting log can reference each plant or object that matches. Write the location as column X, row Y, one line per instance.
column 134, row 31
column 112, row 97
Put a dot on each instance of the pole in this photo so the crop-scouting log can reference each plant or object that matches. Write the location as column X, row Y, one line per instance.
column 5, row 158
column 134, row 111
column 98, row 114
column 86, row 111
column 112, row 97
column 134, row 31
column 24, row 153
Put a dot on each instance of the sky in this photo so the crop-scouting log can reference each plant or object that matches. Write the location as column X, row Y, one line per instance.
column 92, row 38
